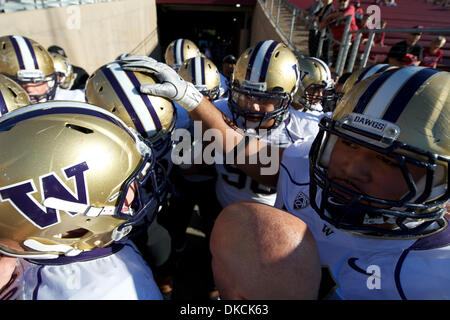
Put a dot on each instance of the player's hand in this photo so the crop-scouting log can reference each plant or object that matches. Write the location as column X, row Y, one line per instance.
column 171, row 85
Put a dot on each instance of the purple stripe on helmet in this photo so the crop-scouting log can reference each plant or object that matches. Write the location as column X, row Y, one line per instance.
column 3, row 106
column 202, row 65
column 405, row 94
column 193, row 70
column 252, row 60
column 33, row 54
column 266, row 61
column 371, row 91
column 381, row 68
column 177, row 43
column 18, row 52
column 182, row 52
column 124, row 99
column 145, row 98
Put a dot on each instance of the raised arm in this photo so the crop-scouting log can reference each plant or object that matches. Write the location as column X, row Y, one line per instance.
column 253, row 156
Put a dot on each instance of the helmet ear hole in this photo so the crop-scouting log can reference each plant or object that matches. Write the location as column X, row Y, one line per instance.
column 75, row 233
column 79, row 128
column 279, row 89
column 12, row 92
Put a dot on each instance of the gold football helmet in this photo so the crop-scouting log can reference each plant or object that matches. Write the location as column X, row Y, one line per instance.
column 12, row 96
column 75, row 182
column 30, row 65
column 315, row 90
column 265, row 71
column 203, row 73
column 402, row 114
column 180, row 50
column 117, row 90
column 64, row 70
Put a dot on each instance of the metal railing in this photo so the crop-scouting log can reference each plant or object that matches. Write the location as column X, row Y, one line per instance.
column 272, row 6
column 371, row 32
column 20, row 5
column 344, row 44
column 343, row 57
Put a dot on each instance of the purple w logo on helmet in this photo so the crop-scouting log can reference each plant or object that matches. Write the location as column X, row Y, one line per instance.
column 20, row 195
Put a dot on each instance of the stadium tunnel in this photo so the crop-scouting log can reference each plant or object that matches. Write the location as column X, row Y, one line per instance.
column 222, row 28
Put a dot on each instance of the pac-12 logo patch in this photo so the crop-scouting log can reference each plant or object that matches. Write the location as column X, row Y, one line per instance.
column 301, row 201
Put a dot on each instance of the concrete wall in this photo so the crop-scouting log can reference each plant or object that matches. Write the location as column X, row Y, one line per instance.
column 262, row 27
column 91, row 34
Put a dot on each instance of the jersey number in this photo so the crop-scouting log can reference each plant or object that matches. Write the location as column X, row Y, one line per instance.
column 241, row 180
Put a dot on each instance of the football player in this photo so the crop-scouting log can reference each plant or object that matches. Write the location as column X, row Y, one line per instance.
column 180, row 50
column 65, row 79
column 262, row 87
column 76, row 187
column 29, row 64
column 80, row 75
column 372, row 186
column 316, row 87
column 378, row 174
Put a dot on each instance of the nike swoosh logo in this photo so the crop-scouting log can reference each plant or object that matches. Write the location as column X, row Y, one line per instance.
column 352, row 264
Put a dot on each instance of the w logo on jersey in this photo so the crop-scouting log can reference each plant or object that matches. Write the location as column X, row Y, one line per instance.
column 19, row 195
column 327, row 230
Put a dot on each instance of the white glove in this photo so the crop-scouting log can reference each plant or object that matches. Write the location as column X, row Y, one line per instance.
column 172, row 86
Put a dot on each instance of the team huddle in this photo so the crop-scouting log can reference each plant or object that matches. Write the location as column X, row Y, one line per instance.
column 356, row 207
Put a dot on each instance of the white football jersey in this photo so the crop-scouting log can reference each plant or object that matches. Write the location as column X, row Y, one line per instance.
column 117, row 272
column 234, row 185
column 71, row 95
column 358, row 267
